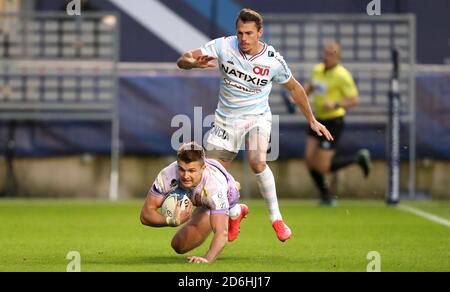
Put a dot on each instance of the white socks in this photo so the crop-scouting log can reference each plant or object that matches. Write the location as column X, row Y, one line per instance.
column 235, row 211
column 266, row 185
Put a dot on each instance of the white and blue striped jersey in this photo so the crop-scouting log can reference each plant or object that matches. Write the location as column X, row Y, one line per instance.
column 246, row 81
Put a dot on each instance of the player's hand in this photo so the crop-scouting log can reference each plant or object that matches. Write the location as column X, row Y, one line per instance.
column 197, row 260
column 186, row 214
column 203, row 62
column 175, row 220
column 321, row 130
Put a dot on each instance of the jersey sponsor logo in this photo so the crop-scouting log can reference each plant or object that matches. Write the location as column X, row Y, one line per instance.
column 270, row 54
column 243, row 76
column 220, row 201
column 220, row 132
column 261, row 71
column 241, row 87
column 158, row 186
column 173, row 183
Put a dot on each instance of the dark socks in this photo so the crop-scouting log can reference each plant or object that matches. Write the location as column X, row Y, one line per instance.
column 319, row 181
column 339, row 162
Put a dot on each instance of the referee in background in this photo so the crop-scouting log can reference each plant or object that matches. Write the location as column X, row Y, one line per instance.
column 333, row 92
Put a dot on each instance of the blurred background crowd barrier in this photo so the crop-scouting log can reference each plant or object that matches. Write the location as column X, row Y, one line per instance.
column 77, row 92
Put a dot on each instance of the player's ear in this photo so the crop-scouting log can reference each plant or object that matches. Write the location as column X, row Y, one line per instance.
column 260, row 32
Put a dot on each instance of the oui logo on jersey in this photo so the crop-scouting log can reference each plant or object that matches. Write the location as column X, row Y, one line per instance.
column 261, row 70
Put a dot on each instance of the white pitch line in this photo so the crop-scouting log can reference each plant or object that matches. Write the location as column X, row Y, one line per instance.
column 425, row 215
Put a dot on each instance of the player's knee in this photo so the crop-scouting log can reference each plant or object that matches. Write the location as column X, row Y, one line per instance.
column 257, row 166
column 178, row 246
column 309, row 161
column 225, row 163
column 223, row 156
column 322, row 168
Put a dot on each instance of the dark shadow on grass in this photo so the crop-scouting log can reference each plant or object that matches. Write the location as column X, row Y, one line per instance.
column 275, row 263
column 142, row 260
column 267, row 263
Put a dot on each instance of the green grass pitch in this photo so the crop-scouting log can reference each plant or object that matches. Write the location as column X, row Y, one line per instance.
column 36, row 235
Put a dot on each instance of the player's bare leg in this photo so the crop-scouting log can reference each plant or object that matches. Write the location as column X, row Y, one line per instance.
column 224, row 163
column 223, row 156
column 239, row 211
column 193, row 233
column 312, row 145
column 323, row 160
column 257, row 145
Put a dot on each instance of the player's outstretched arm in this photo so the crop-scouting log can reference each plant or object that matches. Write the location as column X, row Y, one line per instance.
column 301, row 99
column 195, row 59
column 308, row 89
column 219, row 225
column 149, row 213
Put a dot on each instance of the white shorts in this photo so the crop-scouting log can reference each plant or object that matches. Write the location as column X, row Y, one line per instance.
column 229, row 134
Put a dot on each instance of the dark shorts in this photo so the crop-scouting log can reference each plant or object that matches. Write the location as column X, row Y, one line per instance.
column 335, row 126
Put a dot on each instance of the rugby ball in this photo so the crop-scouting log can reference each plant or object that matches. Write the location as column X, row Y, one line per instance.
column 169, row 204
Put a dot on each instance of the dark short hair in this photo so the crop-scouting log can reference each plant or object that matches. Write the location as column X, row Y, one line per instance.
column 246, row 15
column 190, row 152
